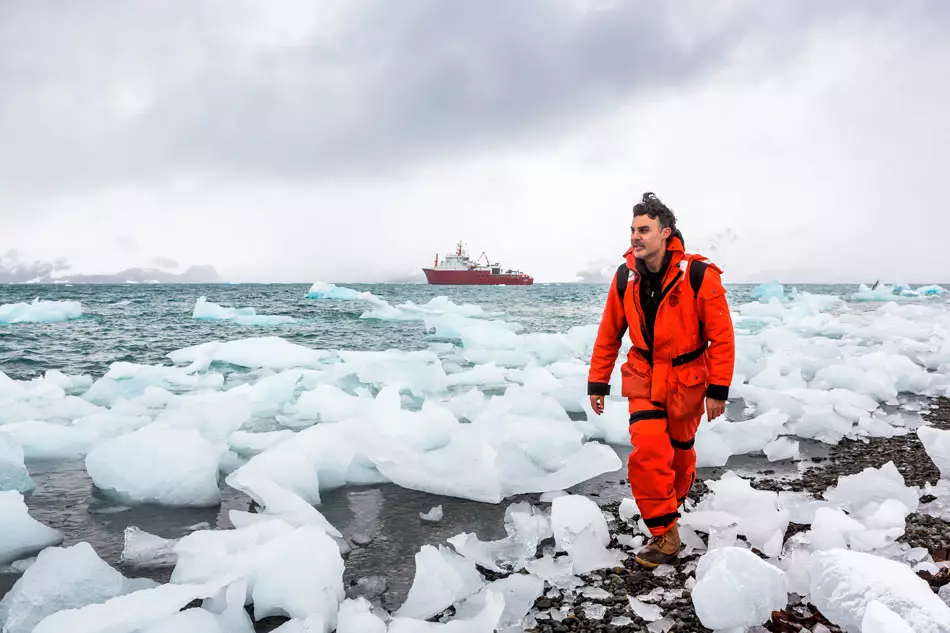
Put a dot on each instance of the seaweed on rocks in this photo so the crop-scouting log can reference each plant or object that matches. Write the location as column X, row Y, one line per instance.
column 799, row 619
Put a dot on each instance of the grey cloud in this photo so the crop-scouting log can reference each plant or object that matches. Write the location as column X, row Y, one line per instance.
column 12, row 270
column 110, row 92
column 164, row 262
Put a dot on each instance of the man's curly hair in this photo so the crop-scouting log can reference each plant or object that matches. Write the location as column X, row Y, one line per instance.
column 651, row 207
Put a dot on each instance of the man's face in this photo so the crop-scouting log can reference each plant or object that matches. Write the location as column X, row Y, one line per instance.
column 646, row 237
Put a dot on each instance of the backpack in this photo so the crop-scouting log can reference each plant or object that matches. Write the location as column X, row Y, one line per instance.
column 697, row 270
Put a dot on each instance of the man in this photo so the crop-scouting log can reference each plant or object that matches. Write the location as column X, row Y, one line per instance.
column 673, row 306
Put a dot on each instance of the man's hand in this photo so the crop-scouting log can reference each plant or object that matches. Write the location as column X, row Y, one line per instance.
column 714, row 408
column 597, row 404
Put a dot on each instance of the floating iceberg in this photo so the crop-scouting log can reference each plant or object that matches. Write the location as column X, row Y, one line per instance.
column 40, row 311
column 768, row 291
column 62, row 578
column 269, row 352
column 324, row 290
column 205, row 310
column 156, row 465
column 13, row 472
column 22, row 535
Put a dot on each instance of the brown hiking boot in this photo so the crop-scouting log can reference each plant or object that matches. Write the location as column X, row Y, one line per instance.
column 660, row 550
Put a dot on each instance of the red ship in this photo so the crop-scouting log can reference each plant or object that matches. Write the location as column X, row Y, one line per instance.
column 459, row 269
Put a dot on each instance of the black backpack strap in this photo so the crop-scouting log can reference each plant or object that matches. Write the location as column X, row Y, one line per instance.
column 623, row 273
column 697, row 270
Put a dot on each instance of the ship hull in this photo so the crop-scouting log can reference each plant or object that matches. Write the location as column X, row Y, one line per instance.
column 474, row 278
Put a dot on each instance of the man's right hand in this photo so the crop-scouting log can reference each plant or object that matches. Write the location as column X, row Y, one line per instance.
column 597, row 404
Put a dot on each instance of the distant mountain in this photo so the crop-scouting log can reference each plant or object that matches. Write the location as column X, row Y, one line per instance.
column 193, row 275
column 14, row 271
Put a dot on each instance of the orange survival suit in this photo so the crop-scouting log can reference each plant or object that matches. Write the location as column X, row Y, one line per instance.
column 669, row 372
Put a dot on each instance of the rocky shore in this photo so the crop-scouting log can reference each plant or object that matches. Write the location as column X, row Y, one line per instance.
column 667, row 589
column 630, row 599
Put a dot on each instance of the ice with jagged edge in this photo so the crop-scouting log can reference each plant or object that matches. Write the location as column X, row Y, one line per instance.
column 40, row 311
column 208, row 311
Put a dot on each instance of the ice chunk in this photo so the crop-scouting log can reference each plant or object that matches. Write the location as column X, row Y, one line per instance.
column 716, row 441
column 486, row 621
column 48, row 441
column 872, row 485
column 596, row 593
column 757, row 511
column 526, row 528
column 220, row 614
column 434, row 515
column 843, row 583
column 519, row 592
column 881, row 293
column 278, row 501
column 548, row 497
column 323, row 290
column 801, row 506
column 832, row 528
column 878, row 618
column 209, row 554
column 571, row 514
column 556, row 571
column 356, row 616
column 325, row 403
column 937, row 444
column 781, row 449
column 442, row 578
column 590, row 460
column 581, row 530
column 214, row 415
column 646, row 612
column 611, row 426
column 61, row 578
column 628, row 509
column 595, row 611
column 270, row 352
column 249, row 444
column 21, row 535
column 128, row 613
column 144, row 550
column 13, row 472
column 153, row 465
column 205, row 310
column 300, row 576
column 660, row 626
column 40, row 311
column 735, row 588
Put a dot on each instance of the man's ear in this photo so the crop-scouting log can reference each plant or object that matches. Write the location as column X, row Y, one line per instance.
column 666, row 233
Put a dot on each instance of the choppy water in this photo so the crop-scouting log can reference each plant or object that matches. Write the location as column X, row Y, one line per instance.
column 141, row 324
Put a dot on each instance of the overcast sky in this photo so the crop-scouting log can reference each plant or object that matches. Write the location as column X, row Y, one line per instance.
column 352, row 140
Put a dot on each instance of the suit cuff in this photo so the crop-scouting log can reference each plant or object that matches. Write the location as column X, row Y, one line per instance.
column 598, row 389
column 717, row 392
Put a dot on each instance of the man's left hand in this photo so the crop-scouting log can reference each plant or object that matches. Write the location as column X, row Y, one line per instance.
column 714, row 408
